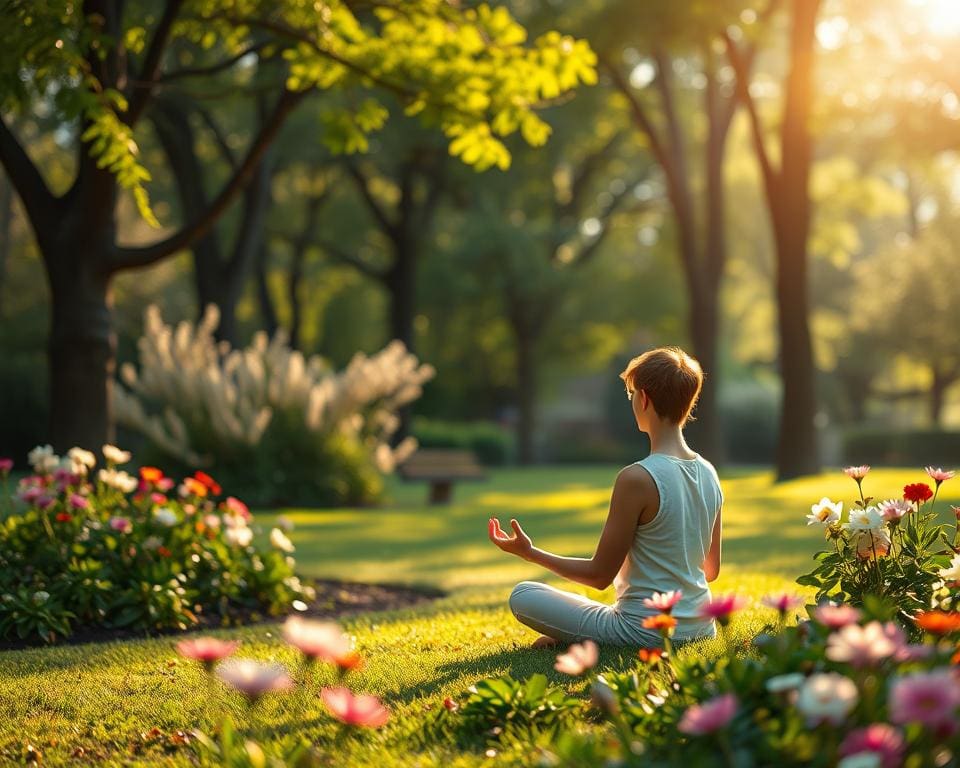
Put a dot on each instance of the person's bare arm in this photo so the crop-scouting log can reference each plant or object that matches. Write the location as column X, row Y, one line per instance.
column 711, row 565
column 633, row 492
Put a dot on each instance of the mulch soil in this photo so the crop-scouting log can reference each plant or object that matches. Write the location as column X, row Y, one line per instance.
column 334, row 599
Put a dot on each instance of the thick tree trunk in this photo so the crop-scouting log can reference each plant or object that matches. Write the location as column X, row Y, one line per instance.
column 797, row 452
column 81, row 353
column 705, row 429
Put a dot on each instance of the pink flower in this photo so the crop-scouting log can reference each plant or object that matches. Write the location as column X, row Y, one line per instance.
column 783, row 602
column 121, row 524
column 363, row 710
column 836, row 616
column 880, row 740
column 894, row 509
column 79, row 502
column 253, row 679
column 578, row 659
column 709, row 716
column 939, row 475
column 720, row 608
column 5, row 466
column 857, row 473
column 867, row 645
column 158, row 498
column 30, row 494
column 930, row 698
column 237, row 507
column 43, row 501
column 663, row 601
column 206, row 650
column 321, row 640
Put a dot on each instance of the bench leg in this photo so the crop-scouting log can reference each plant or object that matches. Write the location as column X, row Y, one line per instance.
column 441, row 492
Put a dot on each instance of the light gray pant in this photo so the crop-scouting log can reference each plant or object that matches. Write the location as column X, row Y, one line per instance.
column 571, row 618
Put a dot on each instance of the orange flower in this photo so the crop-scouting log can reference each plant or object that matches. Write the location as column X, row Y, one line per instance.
column 650, row 655
column 195, row 487
column 956, row 658
column 211, row 485
column 151, row 474
column 938, row 622
column 662, row 622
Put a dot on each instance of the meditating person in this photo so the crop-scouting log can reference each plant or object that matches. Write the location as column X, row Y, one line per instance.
column 662, row 533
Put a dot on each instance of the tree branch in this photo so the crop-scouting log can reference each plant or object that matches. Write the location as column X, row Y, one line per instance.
column 389, row 228
column 218, row 136
column 771, row 175
column 131, row 257
column 585, row 172
column 146, row 80
column 347, row 258
column 212, row 69
column 640, row 116
column 36, row 197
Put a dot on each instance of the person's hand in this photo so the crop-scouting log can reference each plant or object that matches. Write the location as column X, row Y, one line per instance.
column 518, row 543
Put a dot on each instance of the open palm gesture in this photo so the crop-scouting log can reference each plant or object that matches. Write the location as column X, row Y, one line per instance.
column 518, row 543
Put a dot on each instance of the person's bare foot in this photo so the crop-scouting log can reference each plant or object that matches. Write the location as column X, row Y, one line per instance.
column 545, row 641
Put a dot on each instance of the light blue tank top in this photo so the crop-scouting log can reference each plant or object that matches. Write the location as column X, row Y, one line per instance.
column 668, row 552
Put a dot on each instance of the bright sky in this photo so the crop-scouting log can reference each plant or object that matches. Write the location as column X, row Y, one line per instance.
column 941, row 16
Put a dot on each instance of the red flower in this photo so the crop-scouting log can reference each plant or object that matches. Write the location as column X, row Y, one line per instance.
column 650, row 655
column 212, row 485
column 164, row 552
column 151, row 474
column 63, row 517
column 917, row 492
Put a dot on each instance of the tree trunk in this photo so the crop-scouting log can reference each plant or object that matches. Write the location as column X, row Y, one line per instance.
column 527, row 384
column 797, row 452
column 6, row 241
column 401, row 282
column 294, row 279
column 268, row 312
column 82, row 352
column 705, row 429
column 938, row 390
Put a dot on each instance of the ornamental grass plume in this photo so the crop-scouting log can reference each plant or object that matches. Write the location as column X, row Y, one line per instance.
column 710, row 716
column 579, row 658
column 356, row 710
column 208, row 396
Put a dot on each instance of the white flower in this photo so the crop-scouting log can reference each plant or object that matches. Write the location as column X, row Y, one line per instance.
column 280, row 540
column 114, row 455
column 151, row 543
column 238, row 537
column 284, row 523
column 953, row 572
column 862, row 760
column 117, row 478
column 869, row 519
column 165, row 517
column 827, row 696
column 43, row 459
column 784, row 683
column 81, row 461
column 825, row 512
column 40, row 597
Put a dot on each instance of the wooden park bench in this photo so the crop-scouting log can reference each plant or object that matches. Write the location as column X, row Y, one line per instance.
column 441, row 468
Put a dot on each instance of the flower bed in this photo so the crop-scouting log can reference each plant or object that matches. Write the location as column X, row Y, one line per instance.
column 88, row 547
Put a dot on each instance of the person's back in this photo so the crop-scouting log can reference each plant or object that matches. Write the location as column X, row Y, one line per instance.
column 668, row 552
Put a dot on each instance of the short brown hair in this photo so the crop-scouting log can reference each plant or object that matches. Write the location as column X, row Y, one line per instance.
column 671, row 378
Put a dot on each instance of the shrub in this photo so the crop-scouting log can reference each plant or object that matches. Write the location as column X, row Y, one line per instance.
column 890, row 549
column 492, row 444
column 889, row 447
column 749, row 421
column 79, row 549
column 282, row 427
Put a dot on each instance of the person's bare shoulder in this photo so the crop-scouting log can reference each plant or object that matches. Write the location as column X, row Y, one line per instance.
column 637, row 483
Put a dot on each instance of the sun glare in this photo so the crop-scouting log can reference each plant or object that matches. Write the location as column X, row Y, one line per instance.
column 941, row 16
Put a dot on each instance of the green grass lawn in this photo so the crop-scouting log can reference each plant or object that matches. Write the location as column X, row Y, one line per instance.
column 98, row 703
